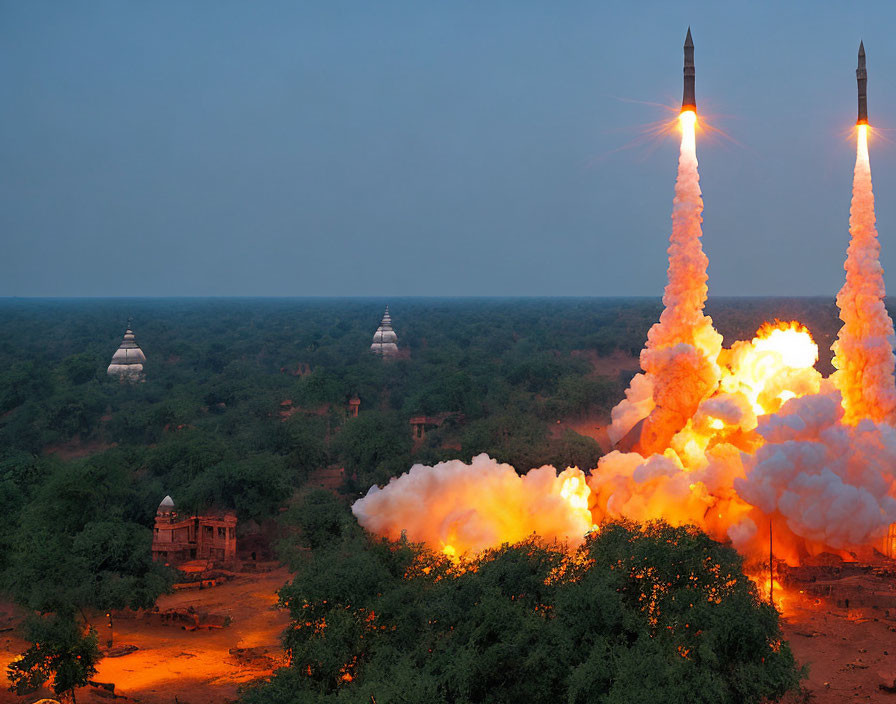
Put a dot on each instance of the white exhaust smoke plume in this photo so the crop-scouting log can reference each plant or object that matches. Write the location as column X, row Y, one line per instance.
column 863, row 351
column 679, row 359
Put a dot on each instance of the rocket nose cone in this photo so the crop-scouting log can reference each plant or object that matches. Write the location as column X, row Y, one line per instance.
column 688, row 42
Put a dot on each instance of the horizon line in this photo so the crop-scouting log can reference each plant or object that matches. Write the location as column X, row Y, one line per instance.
column 361, row 297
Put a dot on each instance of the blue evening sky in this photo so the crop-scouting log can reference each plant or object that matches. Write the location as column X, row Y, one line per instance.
column 428, row 148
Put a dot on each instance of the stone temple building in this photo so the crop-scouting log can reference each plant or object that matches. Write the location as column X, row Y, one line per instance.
column 128, row 360
column 385, row 341
column 177, row 539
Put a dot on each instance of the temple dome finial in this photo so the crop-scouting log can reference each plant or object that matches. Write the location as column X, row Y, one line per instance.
column 385, row 341
column 128, row 360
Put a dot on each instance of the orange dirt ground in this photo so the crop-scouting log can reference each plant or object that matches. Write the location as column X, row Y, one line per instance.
column 849, row 653
column 196, row 666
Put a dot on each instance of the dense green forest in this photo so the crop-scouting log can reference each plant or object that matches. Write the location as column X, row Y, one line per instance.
column 244, row 399
column 207, row 424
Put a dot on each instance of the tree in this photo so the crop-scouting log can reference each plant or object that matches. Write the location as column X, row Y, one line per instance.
column 80, row 368
column 376, row 445
column 61, row 650
column 320, row 517
column 254, row 487
column 303, row 440
column 637, row 614
column 75, row 549
column 76, row 545
column 574, row 450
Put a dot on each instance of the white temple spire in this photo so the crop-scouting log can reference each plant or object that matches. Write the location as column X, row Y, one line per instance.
column 128, row 360
column 385, row 341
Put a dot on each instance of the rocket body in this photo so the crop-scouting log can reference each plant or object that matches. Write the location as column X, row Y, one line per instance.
column 689, row 100
column 862, row 84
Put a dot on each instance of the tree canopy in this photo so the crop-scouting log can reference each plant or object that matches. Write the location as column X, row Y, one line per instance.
column 61, row 654
column 637, row 614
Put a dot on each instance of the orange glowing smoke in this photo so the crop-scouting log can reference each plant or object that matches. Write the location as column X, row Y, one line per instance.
column 775, row 366
column 459, row 508
column 692, row 479
column 863, row 354
column 679, row 360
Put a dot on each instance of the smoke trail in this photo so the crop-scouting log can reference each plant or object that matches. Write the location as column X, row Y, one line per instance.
column 678, row 361
column 863, row 352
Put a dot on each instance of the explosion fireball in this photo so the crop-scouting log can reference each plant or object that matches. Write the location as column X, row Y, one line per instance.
column 737, row 441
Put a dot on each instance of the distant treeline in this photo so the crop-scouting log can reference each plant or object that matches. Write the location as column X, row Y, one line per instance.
column 208, row 420
column 207, row 424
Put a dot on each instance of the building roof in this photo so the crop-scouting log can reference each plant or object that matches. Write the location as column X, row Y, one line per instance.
column 128, row 359
column 385, row 341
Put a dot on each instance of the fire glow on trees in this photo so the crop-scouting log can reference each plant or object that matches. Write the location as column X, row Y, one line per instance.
column 736, row 441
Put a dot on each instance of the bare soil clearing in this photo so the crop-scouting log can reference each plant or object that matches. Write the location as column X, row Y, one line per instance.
column 202, row 666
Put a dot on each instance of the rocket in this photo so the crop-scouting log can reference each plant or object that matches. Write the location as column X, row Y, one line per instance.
column 862, row 81
column 688, row 101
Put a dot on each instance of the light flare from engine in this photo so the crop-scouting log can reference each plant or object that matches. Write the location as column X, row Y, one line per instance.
column 687, row 121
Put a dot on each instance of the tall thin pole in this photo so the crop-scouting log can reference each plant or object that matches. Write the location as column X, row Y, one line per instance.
column 771, row 576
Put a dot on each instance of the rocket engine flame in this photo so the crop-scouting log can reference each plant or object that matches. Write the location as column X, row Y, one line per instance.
column 863, row 351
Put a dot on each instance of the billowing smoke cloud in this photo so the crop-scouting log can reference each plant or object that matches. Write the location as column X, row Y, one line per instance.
column 833, row 483
column 457, row 507
column 626, row 485
column 863, row 351
column 679, row 359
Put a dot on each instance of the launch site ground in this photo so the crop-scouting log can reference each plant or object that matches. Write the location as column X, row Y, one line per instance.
column 171, row 663
column 850, row 652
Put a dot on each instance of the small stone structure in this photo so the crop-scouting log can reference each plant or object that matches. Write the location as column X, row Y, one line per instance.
column 177, row 539
column 420, row 424
column 354, row 404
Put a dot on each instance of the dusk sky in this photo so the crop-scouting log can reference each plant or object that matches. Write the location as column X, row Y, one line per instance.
column 429, row 148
